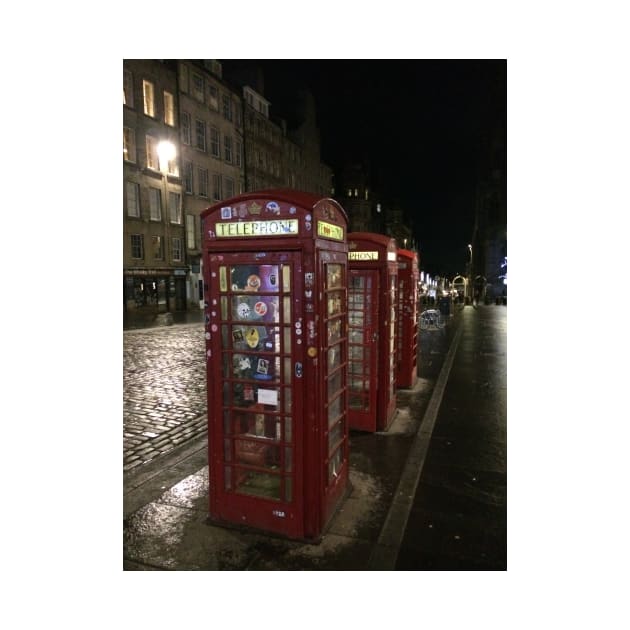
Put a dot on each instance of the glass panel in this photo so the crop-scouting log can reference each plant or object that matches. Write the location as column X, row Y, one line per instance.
column 226, row 422
column 336, row 434
column 224, row 337
column 333, row 276
column 228, row 477
column 356, row 355
column 287, row 429
column 287, row 340
column 334, row 357
column 224, row 308
column 334, row 409
column 288, row 459
column 258, row 484
column 287, row 310
column 259, row 454
column 286, row 278
column 255, row 308
column 287, row 370
column 287, row 400
column 227, row 451
column 334, row 331
column 288, row 489
column 334, row 466
column 222, row 278
column 334, row 384
column 334, row 303
column 255, row 278
column 226, row 394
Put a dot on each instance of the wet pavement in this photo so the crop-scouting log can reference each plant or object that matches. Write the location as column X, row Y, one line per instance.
column 166, row 491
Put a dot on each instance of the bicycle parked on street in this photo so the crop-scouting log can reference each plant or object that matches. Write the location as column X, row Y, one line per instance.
column 431, row 319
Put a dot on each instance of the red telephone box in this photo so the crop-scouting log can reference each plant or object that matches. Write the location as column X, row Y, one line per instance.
column 372, row 307
column 275, row 289
column 407, row 328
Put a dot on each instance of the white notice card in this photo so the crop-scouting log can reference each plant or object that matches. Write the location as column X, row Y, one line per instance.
column 268, row 396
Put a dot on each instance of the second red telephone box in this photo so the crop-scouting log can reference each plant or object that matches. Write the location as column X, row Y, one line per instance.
column 275, row 276
column 372, row 309
column 407, row 328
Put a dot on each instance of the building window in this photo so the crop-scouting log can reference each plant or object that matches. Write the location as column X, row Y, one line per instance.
column 133, row 200
column 213, row 97
column 227, row 107
column 158, row 249
column 215, row 149
column 175, row 207
column 229, row 188
column 239, row 153
column 129, row 144
column 366, row 194
column 137, row 246
column 238, row 115
column 152, row 154
column 177, row 249
column 186, row 128
column 356, row 192
column 216, row 187
column 188, row 178
column 202, row 177
column 190, row 231
column 183, row 78
column 155, row 204
column 169, row 109
column 197, row 81
column 200, row 134
column 149, row 98
column 127, row 88
column 227, row 146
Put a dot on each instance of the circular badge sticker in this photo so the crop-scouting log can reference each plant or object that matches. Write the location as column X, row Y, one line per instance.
column 252, row 338
column 260, row 308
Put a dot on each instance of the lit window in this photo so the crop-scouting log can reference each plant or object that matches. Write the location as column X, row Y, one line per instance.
column 155, row 204
column 175, row 207
column 169, row 109
column 186, row 128
column 129, row 144
column 190, row 231
column 356, row 192
column 366, row 194
column 197, row 81
column 158, row 250
column 127, row 88
column 149, row 98
column 349, row 192
column 213, row 97
column 152, row 153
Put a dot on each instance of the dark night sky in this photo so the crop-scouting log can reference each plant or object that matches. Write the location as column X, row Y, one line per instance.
column 420, row 124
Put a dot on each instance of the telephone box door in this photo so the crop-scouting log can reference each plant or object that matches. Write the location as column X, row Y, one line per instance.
column 363, row 326
column 259, row 396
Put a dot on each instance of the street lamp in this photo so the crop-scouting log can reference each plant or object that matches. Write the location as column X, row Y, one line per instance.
column 166, row 153
column 470, row 270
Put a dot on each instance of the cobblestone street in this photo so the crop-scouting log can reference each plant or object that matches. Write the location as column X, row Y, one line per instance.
column 164, row 391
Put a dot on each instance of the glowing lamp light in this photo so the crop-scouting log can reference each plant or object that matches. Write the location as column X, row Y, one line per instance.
column 166, row 152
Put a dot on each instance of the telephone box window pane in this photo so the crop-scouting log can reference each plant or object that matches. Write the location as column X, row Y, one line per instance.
column 334, row 357
column 334, row 384
column 288, row 489
column 227, row 450
column 287, row 310
column 286, row 278
column 228, row 477
column 334, row 410
column 334, row 303
column 287, row 340
column 287, row 400
column 288, row 459
column 334, row 331
column 258, row 484
column 334, row 465
column 226, row 394
column 255, row 278
column 335, row 435
column 287, row 429
column 222, row 278
column 333, row 276
column 226, row 423
column 224, row 308
column 287, row 370
column 224, row 337
column 255, row 309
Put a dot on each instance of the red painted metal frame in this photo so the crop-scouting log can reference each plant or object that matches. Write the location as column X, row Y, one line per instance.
column 407, row 329
column 314, row 237
column 384, row 380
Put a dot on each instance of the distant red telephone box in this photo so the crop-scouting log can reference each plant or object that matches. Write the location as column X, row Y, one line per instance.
column 275, row 290
column 407, row 328
column 372, row 316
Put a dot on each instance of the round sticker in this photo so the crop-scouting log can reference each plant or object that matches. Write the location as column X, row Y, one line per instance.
column 252, row 337
column 260, row 308
column 243, row 310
